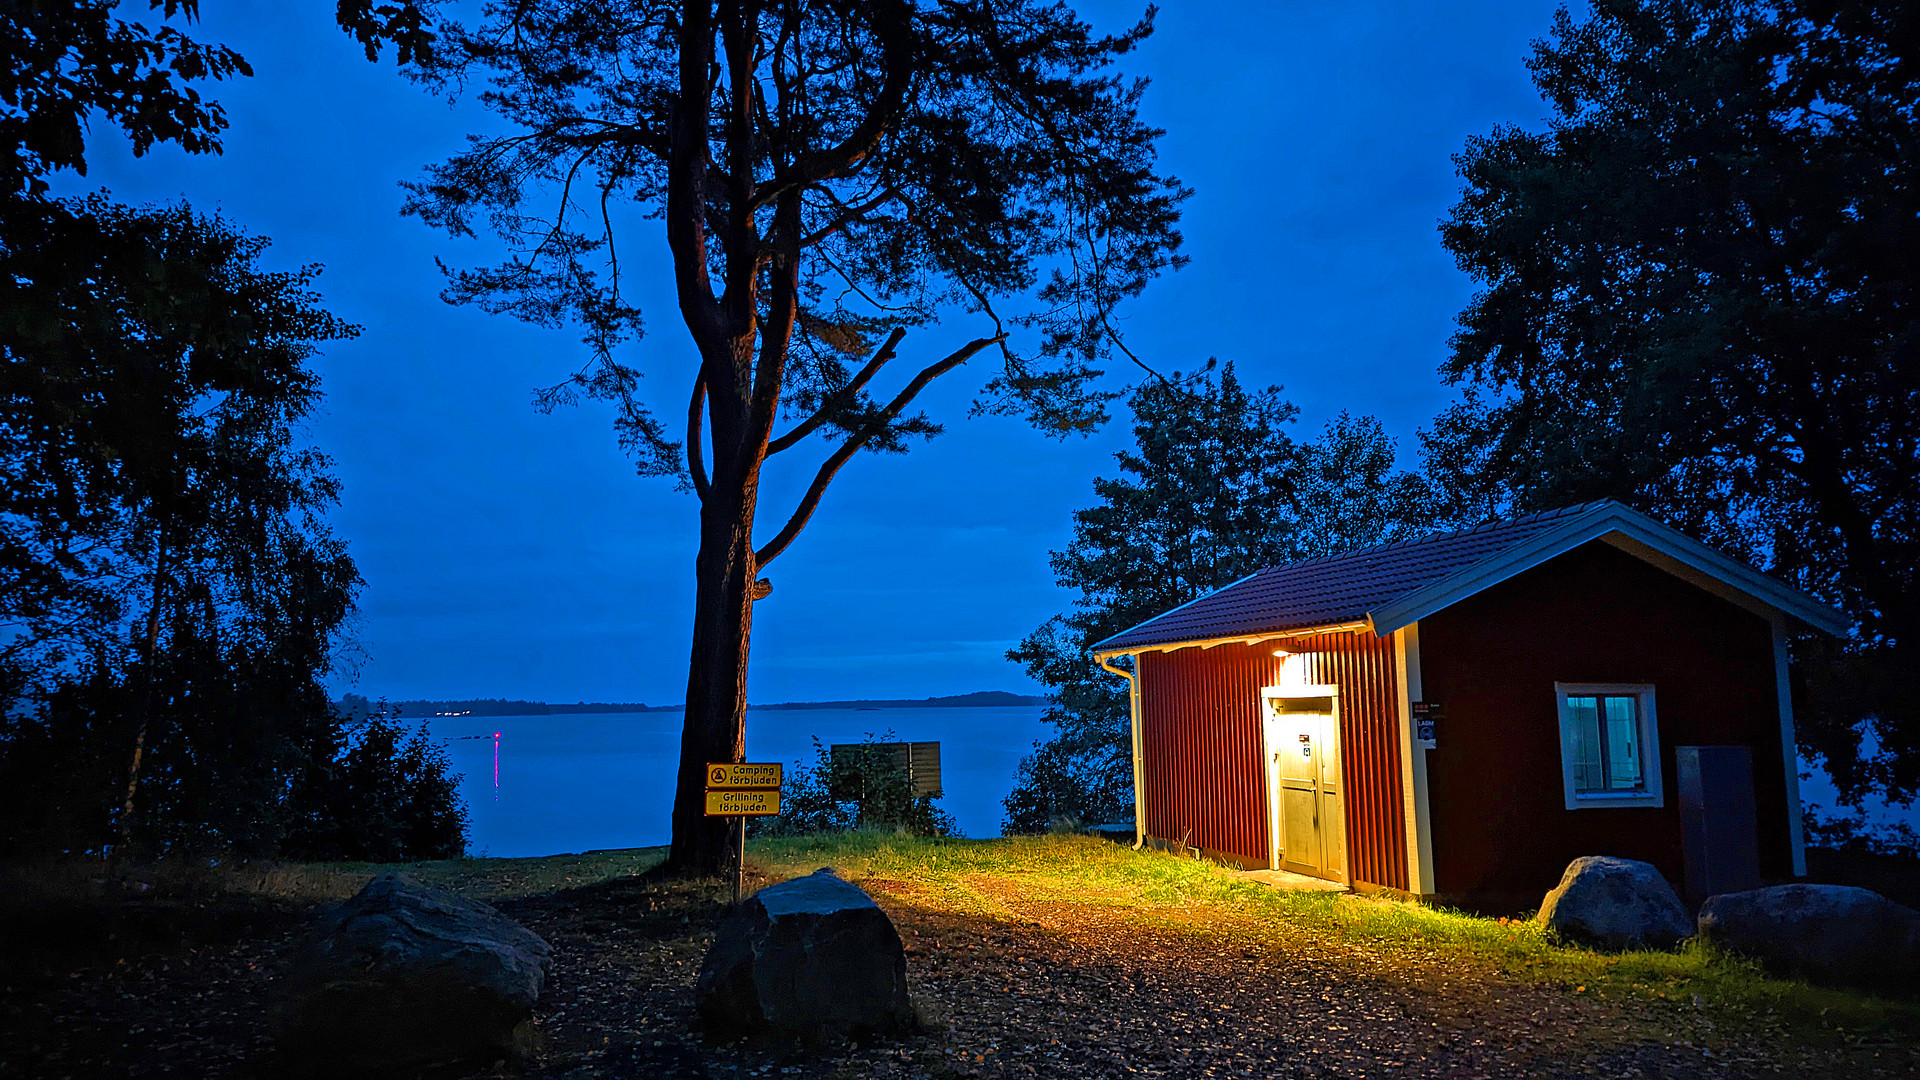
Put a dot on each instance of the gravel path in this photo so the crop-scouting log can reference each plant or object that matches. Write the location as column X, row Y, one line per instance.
column 1032, row 987
column 1049, row 988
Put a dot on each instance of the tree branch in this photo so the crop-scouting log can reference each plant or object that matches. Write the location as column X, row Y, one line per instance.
column 776, row 332
column 696, row 461
column 848, row 216
column 811, row 500
column 687, row 174
column 891, row 26
column 739, row 302
column 842, row 396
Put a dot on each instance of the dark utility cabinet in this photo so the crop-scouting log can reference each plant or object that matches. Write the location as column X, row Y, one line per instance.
column 1717, row 820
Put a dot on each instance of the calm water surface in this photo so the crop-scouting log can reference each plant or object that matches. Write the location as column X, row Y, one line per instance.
column 576, row 783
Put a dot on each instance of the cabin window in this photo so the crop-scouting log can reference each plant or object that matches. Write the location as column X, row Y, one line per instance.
column 1609, row 745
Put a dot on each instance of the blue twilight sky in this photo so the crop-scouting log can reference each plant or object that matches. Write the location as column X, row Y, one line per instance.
column 512, row 554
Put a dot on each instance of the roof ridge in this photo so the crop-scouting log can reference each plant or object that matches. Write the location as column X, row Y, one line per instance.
column 1484, row 526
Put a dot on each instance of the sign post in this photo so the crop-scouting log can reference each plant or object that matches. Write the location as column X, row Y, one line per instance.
column 740, row 790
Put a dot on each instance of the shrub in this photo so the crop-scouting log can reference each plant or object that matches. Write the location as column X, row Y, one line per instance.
column 862, row 789
column 236, row 764
column 1853, row 832
column 389, row 795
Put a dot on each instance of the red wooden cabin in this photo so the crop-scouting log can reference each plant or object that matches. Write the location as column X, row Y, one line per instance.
column 1560, row 658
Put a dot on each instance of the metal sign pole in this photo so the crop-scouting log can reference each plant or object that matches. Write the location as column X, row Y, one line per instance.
column 740, row 862
column 740, row 790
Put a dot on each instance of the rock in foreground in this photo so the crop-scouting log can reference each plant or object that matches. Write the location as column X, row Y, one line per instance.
column 806, row 958
column 1825, row 933
column 1611, row 903
column 402, row 977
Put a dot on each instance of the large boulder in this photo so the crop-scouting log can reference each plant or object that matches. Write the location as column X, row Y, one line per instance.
column 403, row 977
column 1611, row 903
column 805, row 959
column 1825, row 933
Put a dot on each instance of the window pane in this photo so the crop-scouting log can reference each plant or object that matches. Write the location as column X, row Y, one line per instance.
column 1584, row 714
column 1623, row 744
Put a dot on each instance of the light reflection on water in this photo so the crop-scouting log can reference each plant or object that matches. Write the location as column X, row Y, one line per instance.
column 542, row 785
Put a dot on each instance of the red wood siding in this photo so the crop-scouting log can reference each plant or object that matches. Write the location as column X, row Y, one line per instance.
column 1200, row 738
column 1593, row 615
column 1201, row 745
column 1361, row 665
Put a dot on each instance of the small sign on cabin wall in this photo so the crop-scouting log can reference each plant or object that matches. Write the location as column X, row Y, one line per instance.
column 1426, row 721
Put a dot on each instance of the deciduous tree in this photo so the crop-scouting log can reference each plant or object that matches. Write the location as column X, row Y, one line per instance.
column 829, row 175
column 164, row 567
column 1214, row 489
column 1699, row 296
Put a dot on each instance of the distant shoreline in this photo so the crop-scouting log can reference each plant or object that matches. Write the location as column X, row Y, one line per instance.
column 355, row 705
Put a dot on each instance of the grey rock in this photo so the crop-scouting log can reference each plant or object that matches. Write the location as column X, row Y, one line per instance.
column 1833, row 934
column 805, row 959
column 402, row 977
column 1612, row 903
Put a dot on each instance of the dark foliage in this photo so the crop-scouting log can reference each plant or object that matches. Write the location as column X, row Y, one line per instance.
column 245, row 761
column 152, row 379
column 174, row 594
column 893, row 159
column 864, row 789
column 1213, row 490
column 63, row 60
column 408, row 24
column 1699, row 298
column 1853, row 832
column 385, row 794
column 170, row 594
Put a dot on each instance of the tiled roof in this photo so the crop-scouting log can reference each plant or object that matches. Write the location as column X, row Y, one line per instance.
column 1337, row 588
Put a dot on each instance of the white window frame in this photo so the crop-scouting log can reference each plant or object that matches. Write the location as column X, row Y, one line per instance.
column 1653, row 792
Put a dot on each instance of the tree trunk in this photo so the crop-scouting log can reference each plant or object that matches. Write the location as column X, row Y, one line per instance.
column 716, row 718
column 715, row 725
column 143, row 702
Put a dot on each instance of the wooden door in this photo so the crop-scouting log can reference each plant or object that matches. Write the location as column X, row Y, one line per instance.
column 1305, row 789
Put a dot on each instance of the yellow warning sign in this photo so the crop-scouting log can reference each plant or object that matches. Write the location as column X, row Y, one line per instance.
column 751, row 774
column 742, row 803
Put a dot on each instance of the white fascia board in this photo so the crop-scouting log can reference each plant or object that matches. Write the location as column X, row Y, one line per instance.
column 1637, row 535
column 1231, row 639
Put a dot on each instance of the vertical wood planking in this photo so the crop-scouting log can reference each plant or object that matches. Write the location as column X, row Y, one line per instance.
column 1201, row 738
column 1200, row 721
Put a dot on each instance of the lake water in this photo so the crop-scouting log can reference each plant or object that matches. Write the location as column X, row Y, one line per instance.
column 580, row 782
column 575, row 783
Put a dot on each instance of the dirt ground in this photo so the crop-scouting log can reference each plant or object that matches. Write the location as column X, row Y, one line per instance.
column 1056, row 988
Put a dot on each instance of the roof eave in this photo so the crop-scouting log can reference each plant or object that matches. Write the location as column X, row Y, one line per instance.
column 1353, row 626
column 1095, row 647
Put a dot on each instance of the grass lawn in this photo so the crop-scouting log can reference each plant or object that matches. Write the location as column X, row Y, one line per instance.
column 1038, row 956
column 1201, row 897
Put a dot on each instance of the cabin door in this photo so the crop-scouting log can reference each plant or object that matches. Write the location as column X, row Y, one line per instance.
column 1304, row 787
